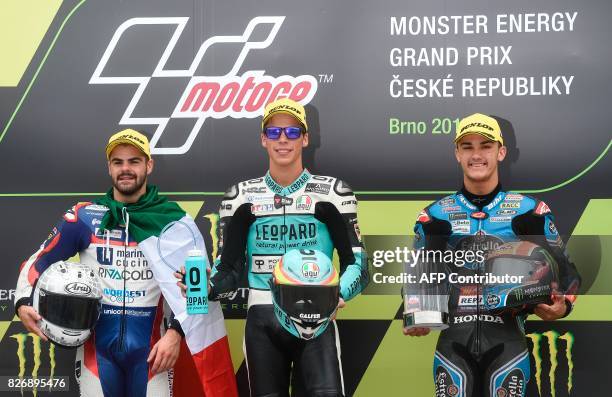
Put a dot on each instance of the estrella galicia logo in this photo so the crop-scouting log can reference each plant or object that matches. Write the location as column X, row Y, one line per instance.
column 444, row 384
column 219, row 96
column 552, row 338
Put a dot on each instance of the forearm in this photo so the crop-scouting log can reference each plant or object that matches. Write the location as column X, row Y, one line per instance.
column 356, row 276
column 223, row 283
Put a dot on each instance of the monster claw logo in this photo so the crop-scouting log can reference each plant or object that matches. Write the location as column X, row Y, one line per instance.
column 214, row 221
column 21, row 339
column 552, row 338
column 221, row 96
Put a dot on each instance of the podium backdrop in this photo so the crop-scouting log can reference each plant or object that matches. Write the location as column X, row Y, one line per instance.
column 384, row 84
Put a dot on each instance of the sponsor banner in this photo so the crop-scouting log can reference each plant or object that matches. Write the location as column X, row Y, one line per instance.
column 384, row 122
column 197, row 88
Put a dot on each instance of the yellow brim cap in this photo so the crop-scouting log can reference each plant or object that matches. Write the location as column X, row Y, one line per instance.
column 286, row 106
column 480, row 124
column 129, row 137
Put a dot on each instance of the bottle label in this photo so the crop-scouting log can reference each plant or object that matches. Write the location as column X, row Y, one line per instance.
column 196, row 281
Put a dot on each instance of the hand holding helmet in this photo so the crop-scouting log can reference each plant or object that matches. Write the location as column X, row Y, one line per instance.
column 536, row 270
column 66, row 301
column 30, row 319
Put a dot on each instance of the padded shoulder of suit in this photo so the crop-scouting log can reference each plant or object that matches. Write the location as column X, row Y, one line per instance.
column 73, row 214
column 526, row 203
column 437, row 208
column 338, row 191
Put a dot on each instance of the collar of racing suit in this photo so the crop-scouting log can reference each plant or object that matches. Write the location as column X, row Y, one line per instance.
column 481, row 201
column 286, row 190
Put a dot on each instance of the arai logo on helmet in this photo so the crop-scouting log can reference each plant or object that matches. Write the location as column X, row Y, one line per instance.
column 310, row 270
column 218, row 96
column 77, row 288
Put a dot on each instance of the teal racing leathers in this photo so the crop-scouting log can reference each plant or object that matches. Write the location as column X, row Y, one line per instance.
column 259, row 222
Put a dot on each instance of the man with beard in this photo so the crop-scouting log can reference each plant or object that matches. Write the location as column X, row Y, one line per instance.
column 126, row 356
column 481, row 352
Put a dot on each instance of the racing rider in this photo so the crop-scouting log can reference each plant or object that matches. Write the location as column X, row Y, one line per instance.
column 482, row 353
column 127, row 354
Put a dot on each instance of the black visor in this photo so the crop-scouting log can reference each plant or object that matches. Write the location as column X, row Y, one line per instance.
column 69, row 311
column 309, row 303
column 530, row 270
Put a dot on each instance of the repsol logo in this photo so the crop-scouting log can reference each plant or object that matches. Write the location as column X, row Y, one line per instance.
column 301, row 231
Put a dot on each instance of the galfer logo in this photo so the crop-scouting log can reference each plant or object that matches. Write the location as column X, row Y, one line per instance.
column 228, row 95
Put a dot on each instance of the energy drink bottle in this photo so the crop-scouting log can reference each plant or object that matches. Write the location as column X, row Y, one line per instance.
column 197, row 283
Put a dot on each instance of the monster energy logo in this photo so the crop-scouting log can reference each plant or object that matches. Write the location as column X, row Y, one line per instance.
column 519, row 294
column 552, row 338
column 21, row 339
column 214, row 221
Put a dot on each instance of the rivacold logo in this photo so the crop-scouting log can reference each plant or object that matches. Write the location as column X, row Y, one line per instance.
column 228, row 95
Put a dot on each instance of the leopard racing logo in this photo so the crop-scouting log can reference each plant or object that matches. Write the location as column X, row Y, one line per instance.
column 220, row 96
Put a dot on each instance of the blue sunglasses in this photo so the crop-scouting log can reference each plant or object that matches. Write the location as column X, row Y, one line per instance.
column 275, row 132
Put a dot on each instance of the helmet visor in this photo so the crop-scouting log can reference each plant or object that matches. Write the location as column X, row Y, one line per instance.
column 69, row 311
column 528, row 270
column 309, row 303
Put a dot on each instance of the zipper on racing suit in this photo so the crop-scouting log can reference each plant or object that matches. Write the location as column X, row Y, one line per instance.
column 123, row 324
column 284, row 228
column 478, row 295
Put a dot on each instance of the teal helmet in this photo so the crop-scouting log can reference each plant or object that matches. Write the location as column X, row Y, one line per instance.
column 305, row 292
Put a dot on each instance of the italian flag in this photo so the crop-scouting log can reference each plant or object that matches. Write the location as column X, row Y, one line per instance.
column 205, row 334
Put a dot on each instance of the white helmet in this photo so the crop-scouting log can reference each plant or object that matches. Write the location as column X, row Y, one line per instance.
column 67, row 297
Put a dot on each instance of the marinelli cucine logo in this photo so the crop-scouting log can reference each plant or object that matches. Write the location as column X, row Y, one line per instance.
column 556, row 343
column 34, row 361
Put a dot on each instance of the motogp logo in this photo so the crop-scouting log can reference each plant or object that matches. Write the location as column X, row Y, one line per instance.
column 228, row 95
